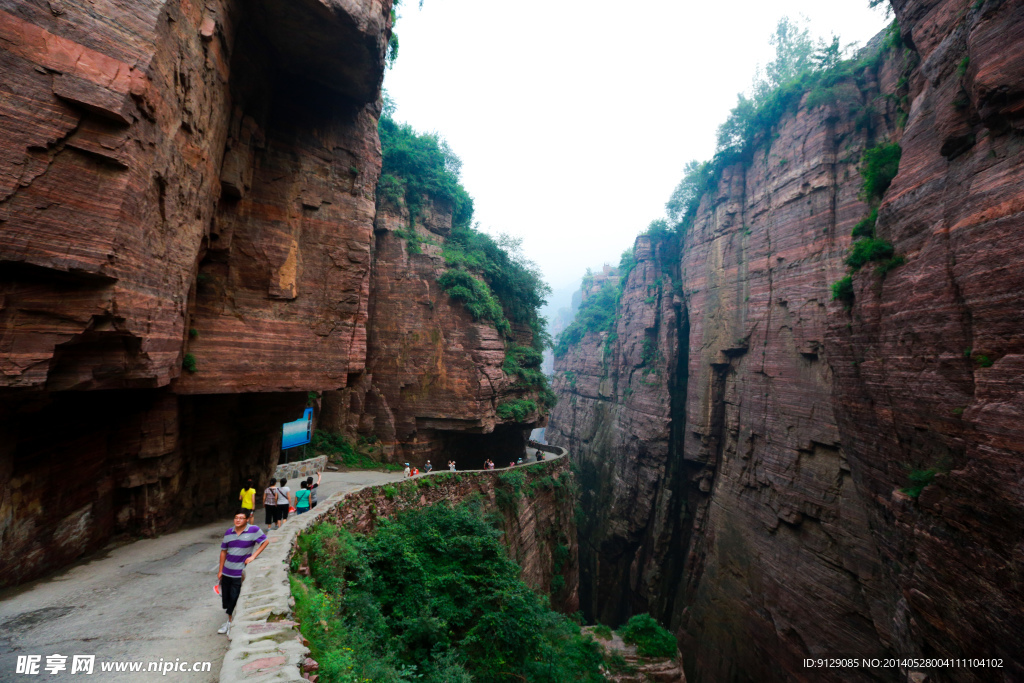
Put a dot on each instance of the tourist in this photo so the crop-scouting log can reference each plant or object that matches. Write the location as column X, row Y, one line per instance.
column 451, row 465
column 270, row 503
column 428, row 467
column 284, row 499
column 540, row 456
column 408, row 472
column 313, row 488
column 415, row 471
column 236, row 551
column 247, row 497
column 302, row 499
column 520, row 460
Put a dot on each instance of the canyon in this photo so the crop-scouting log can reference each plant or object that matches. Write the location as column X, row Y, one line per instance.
column 745, row 442
column 191, row 253
column 200, row 237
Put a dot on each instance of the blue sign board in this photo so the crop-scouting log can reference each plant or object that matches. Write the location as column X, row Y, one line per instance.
column 299, row 432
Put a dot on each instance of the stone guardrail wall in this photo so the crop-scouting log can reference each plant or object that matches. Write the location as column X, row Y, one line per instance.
column 545, row 447
column 294, row 471
column 265, row 640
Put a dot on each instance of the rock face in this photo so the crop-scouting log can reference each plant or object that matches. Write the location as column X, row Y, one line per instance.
column 741, row 479
column 433, row 377
column 179, row 182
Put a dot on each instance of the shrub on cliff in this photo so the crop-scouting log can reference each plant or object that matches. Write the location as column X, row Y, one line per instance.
column 866, row 226
column 842, row 290
column 432, row 595
column 879, row 166
column 476, row 296
column 868, row 249
column 417, row 166
column 650, row 638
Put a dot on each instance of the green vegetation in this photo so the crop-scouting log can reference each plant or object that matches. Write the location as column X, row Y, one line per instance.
column 866, row 250
column 650, row 638
column 596, row 314
column 517, row 409
column 961, row 68
column 866, row 226
column 417, row 167
column 888, row 264
column 509, row 490
column 879, row 166
column 842, row 290
column 193, row 333
column 983, row 361
column 489, row 276
column 431, row 596
column 341, row 451
column 918, row 480
column 476, row 296
column 188, row 362
column 603, row 632
column 524, row 362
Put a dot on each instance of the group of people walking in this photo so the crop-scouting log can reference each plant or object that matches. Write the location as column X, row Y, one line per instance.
column 279, row 500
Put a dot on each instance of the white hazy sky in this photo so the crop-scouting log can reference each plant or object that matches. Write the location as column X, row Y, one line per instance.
column 574, row 119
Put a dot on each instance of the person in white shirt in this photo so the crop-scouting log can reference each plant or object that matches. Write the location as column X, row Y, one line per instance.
column 284, row 500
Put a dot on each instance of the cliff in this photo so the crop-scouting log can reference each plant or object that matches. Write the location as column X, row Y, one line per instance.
column 435, row 376
column 181, row 184
column 742, row 474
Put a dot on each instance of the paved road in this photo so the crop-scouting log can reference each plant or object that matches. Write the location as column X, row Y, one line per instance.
column 149, row 600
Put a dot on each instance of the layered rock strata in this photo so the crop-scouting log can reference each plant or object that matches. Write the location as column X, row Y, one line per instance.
column 434, row 376
column 749, row 491
column 180, row 184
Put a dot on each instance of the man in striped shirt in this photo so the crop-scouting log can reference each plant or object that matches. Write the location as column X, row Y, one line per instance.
column 236, row 551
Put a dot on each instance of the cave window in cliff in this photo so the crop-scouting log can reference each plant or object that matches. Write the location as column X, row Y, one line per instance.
column 507, row 443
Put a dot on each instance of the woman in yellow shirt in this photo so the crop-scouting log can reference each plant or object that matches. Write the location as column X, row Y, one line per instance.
column 247, row 496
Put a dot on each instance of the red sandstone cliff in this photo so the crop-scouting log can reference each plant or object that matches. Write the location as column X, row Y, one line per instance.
column 749, row 492
column 179, row 182
column 434, row 376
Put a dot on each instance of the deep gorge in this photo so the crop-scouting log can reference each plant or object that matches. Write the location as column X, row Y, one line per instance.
column 209, row 220
column 746, row 441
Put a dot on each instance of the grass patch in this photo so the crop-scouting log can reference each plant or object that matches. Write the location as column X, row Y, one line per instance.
column 603, row 632
column 188, row 363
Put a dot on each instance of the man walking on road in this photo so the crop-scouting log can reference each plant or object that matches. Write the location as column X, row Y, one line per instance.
column 236, row 551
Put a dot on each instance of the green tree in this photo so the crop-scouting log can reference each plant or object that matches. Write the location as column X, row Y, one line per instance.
column 686, row 197
column 794, row 50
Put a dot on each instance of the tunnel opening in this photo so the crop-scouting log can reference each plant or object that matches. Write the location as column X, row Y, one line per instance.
column 505, row 445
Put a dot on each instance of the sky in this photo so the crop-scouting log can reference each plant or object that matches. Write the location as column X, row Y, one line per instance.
column 574, row 120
